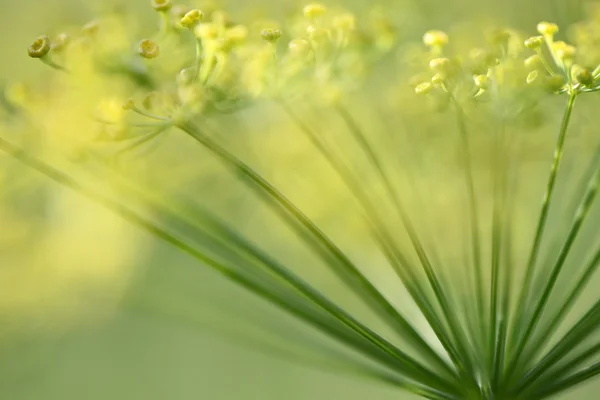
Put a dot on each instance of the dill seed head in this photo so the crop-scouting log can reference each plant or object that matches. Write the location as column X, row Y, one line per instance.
column 148, row 49
column 40, row 47
column 270, row 35
column 435, row 38
column 315, row 10
column 547, row 28
column 191, row 18
column 162, row 5
column 534, row 42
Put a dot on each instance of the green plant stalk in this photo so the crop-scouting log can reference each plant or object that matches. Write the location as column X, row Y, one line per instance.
column 591, row 267
column 560, row 373
column 568, row 382
column 438, row 290
column 350, row 274
column 517, row 349
column 474, row 218
column 497, row 322
column 154, row 229
column 580, row 217
column 406, row 274
column 579, row 332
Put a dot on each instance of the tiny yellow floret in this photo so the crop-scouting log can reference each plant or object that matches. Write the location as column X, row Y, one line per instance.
column 315, row 10
column 191, row 18
column 148, row 49
column 439, row 64
column 40, row 47
column 481, row 81
column 534, row 42
column 162, row 5
column 435, row 39
column 547, row 28
column 271, row 35
column 424, row 88
column 584, row 76
column 299, row 47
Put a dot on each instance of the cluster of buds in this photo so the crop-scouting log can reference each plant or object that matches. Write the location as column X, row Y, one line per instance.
column 553, row 65
column 448, row 75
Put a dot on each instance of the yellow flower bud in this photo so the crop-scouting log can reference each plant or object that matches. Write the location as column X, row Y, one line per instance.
column 237, row 34
column 547, row 28
column 345, row 22
column 534, row 42
column 437, row 79
column 191, row 18
column 584, row 76
column 316, row 33
column 424, row 88
column 40, row 47
column 206, row 31
column 91, row 28
column 179, row 11
column 186, row 76
column 162, row 5
column 481, row 81
column 532, row 77
column 435, row 39
column 129, row 104
column 271, row 35
column 439, row 64
column 533, row 62
column 555, row 83
column 566, row 53
column 148, row 49
column 60, row 42
column 299, row 47
column 313, row 11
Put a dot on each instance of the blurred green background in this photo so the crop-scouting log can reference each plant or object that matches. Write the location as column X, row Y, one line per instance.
column 158, row 339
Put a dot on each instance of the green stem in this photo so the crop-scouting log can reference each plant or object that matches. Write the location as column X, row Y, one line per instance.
column 521, row 341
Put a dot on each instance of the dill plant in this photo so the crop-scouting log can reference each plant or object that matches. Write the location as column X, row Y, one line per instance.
column 491, row 329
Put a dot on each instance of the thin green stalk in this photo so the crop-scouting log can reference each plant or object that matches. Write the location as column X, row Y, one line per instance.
column 516, row 334
column 581, row 214
column 386, row 244
column 562, row 371
column 349, row 273
column 498, row 318
column 474, row 216
column 579, row 332
column 438, row 290
column 591, row 266
column 385, row 351
column 569, row 382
